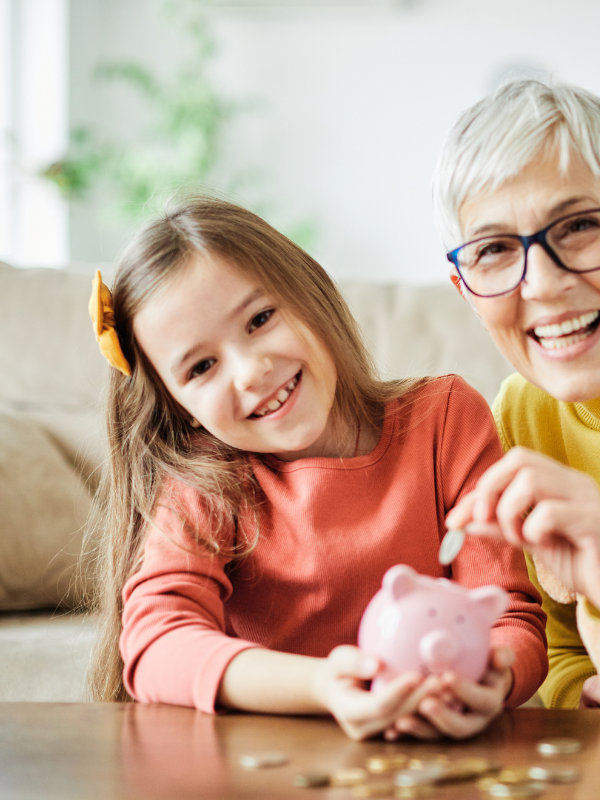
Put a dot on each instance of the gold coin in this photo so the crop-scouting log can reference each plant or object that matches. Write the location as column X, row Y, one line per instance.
column 348, row 777
column 262, row 760
column 465, row 769
column 426, row 761
column 420, row 777
column 375, row 789
column 559, row 746
column 309, row 780
column 388, row 763
column 531, row 789
column 414, row 791
column 513, row 775
column 555, row 774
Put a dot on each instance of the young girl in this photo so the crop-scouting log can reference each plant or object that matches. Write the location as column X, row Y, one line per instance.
column 261, row 480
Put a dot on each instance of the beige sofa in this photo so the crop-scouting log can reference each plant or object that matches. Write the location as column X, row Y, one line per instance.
column 51, row 376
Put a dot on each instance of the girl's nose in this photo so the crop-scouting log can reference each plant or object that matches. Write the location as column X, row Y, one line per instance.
column 250, row 370
column 544, row 279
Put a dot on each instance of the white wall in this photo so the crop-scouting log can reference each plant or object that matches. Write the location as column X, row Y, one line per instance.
column 356, row 103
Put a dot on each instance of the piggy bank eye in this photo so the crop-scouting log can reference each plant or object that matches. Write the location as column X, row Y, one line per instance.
column 460, row 618
column 432, row 612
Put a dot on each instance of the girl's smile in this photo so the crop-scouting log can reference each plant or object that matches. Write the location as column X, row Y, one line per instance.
column 248, row 373
column 278, row 400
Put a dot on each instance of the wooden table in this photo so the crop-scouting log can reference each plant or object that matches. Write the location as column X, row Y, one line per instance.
column 98, row 751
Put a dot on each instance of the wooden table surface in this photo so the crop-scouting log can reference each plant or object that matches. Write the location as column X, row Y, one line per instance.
column 98, row 751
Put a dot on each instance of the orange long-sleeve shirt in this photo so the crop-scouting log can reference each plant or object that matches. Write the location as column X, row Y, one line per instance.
column 329, row 529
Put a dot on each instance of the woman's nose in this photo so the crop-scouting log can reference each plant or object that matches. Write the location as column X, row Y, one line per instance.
column 544, row 279
column 249, row 370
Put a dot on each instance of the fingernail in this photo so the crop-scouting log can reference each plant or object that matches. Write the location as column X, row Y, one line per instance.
column 369, row 666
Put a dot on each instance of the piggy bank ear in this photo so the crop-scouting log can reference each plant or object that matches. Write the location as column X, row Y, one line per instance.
column 400, row 580
column 491, row 599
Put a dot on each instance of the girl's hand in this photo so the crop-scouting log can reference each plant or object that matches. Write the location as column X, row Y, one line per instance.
column 460, row 708
column 340, row 686
column 552, row 510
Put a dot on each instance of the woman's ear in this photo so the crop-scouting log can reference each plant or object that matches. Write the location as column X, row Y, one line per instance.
column 458, row 284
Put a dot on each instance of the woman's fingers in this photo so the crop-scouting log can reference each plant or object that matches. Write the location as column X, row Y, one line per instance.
column 517, row 484
column 462, row 513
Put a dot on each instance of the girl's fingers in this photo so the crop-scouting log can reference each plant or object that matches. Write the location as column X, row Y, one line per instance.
column 502, row 658
column 411, row 725
column 456, row 724
column 402, row 695
column 347, row 661
column 481, row 698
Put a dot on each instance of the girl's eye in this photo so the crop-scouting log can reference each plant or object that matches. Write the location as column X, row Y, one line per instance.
column 261, row 319
column 201, row 367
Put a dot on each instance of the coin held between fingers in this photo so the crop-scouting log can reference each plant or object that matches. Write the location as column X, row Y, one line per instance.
column 451, row 546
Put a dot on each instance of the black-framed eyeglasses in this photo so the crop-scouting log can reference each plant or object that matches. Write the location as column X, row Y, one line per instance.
column 496, row 265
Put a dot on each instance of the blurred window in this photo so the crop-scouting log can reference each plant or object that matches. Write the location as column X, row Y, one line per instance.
column 33, row 130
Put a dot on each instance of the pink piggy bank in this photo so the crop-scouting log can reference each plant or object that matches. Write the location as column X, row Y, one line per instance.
column 420, row 624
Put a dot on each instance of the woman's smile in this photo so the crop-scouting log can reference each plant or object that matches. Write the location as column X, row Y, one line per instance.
column 559, row 338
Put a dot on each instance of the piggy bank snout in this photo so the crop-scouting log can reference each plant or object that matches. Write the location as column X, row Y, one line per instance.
column 439, row 649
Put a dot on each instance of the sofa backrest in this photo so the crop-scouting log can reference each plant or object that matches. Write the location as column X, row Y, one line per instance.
column 52, row 372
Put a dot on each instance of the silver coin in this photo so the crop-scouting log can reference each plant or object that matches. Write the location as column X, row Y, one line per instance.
column 533, row 789
column 559, row 746
column 451, row 546
column 262, row 760
column 555, row 774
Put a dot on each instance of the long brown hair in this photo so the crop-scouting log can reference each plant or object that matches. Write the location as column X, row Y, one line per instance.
column 150, row 439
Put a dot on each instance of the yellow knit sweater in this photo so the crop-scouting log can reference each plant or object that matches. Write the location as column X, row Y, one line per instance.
column 570, row 433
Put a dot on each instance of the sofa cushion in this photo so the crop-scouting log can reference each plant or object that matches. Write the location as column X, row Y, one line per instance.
column 43, row 508
column 44, row 656
column 426, row 330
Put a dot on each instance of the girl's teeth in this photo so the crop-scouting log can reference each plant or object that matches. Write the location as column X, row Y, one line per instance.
column 282, row 396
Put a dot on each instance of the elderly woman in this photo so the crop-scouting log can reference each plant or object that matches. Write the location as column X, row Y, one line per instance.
column 517, row 197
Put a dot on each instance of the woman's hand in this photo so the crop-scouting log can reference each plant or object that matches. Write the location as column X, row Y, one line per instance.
column 340, row 686
column 460, row 708
column 590, row 694
column 553, row 511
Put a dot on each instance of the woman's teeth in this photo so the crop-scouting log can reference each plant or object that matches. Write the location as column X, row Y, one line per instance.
column 563, row 334
column 277, row 402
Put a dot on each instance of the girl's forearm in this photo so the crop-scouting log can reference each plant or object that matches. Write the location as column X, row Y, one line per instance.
column 269, row 682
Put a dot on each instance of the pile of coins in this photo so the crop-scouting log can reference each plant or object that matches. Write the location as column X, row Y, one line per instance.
column 399, row 775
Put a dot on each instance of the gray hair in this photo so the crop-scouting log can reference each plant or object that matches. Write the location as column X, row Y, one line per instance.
column 497, row 137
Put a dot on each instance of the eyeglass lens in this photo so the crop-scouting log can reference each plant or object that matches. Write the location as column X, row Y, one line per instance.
column 495, row 264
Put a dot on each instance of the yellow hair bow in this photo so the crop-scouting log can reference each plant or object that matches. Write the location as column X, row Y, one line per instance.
column 103, row 316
